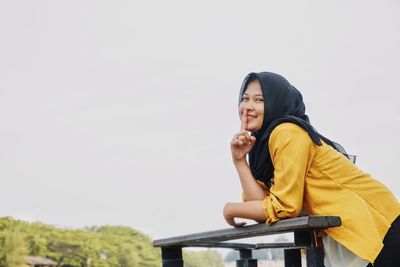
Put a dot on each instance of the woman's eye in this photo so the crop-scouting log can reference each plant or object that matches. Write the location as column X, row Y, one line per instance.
column 245, row 99
column 259, row 100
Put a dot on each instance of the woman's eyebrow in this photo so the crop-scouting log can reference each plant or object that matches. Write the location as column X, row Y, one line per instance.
column 253, row 95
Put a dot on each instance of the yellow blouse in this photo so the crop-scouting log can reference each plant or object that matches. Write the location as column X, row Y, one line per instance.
column 322, row 181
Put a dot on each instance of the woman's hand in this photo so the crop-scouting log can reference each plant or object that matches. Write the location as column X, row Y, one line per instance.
column 229, row 217
column 242, row 142
column 252, row 210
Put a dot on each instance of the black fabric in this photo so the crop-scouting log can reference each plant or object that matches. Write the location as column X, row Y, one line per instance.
column 389, row 255
column 282, row 103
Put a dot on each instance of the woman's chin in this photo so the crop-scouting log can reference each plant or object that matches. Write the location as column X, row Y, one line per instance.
column 252, row 129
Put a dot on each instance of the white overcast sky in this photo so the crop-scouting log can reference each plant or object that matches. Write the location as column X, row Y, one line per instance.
column 121, row 112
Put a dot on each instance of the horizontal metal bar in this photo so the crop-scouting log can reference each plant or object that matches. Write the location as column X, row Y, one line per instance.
column 233, row 245
column 221, row 245
column 283, row 226
column 274, row 245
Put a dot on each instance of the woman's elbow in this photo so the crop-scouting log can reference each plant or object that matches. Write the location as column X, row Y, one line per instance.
column 252, row 197
column 289, row 212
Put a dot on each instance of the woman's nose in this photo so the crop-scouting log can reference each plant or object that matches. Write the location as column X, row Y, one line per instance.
column 248, row 106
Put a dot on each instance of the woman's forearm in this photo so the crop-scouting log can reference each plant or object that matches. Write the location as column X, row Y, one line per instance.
column 252, row 210
column 251, row 189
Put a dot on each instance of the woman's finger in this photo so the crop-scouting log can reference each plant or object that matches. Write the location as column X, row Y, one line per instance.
column 236, row 142
column 231, row 221
column 243, row 139
column 252, row 140
column 243, row 125
column 245, row 134
column 240, row 224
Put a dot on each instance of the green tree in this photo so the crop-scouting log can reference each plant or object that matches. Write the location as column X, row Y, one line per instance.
column 106, row 246
column 66, row 250
column 128, row 256
column 13, row 249
column 37, row 245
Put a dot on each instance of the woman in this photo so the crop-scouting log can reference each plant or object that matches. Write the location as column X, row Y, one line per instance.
column 293, row 168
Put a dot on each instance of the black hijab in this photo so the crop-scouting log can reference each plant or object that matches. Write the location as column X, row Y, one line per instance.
column 282, row 103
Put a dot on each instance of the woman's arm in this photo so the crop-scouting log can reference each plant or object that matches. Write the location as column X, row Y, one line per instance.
column 290, row 151
column 251, row 210
column 241, row 145
column 251, row 189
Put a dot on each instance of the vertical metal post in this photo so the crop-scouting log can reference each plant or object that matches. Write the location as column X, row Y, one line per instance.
column 303, row 238
column 315, row 257
column 292, row 257
column 246, row 259
column 172, row 257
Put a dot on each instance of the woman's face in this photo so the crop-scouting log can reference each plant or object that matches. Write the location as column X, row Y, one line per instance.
column 253, row 103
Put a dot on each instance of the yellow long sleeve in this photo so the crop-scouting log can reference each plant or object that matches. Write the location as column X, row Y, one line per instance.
column 289, row 150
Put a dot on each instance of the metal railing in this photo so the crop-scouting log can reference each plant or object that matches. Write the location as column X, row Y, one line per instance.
column 305, row 237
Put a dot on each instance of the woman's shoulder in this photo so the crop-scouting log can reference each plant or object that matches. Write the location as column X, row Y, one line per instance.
column 288, row 131
column 289, row 142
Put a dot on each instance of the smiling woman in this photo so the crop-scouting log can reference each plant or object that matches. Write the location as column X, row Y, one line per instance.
column 252, row 107
column 292, row 168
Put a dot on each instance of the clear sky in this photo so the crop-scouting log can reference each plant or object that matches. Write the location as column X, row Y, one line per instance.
column 121, row 112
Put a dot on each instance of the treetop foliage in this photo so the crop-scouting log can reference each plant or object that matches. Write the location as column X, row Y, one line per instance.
column 94, row 246
column 105, row 246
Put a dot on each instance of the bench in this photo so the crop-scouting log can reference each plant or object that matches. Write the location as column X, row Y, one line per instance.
column 305, row 237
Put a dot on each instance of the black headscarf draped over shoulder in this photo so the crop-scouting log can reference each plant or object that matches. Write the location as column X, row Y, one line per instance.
column 282, row 103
